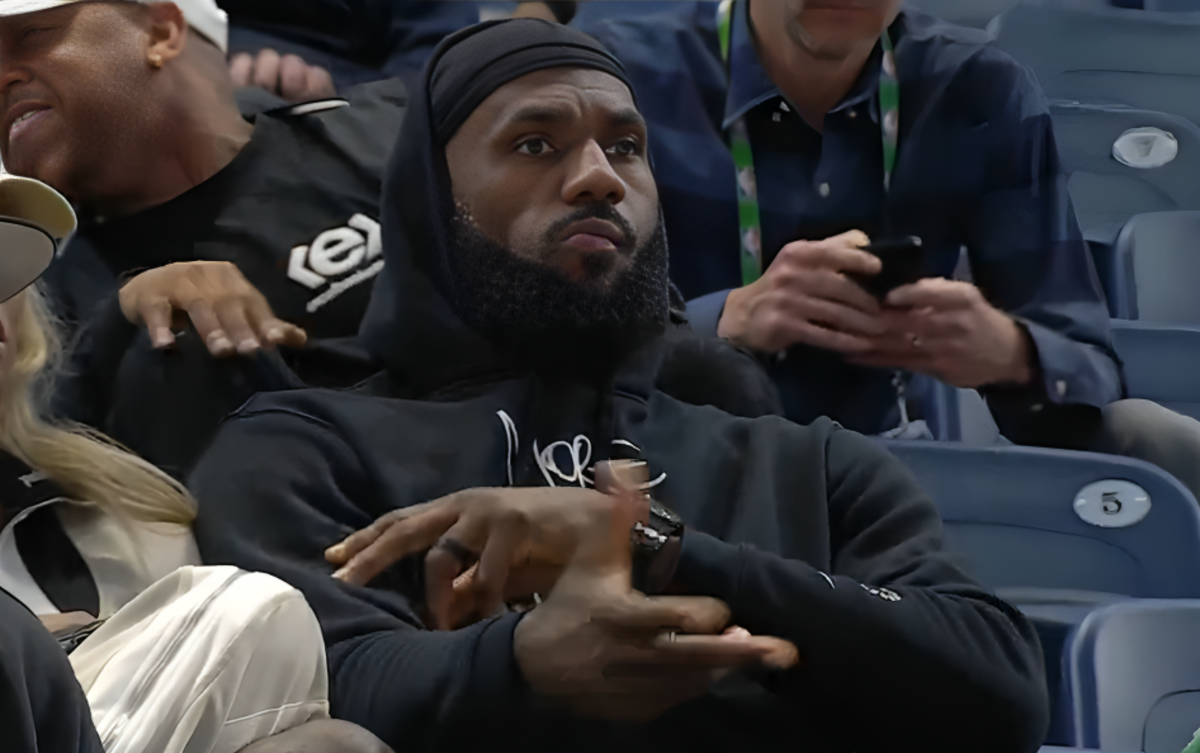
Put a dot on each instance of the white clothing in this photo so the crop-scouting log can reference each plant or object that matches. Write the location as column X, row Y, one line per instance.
column 208, row 660
column 124, row 560
column 192, row 659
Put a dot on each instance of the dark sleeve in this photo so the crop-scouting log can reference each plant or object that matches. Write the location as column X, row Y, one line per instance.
column 899, row 645
column 1029, row 258
column 275, row 490
column 84, row 391
column 42, row 707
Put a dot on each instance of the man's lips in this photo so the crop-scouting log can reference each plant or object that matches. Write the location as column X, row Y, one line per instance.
column 594, row 235
column 22, row 118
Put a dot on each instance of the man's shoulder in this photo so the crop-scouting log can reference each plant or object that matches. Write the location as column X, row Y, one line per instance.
column 365, row 120
column 940, row 50
column 687, row 418
column 316, row 408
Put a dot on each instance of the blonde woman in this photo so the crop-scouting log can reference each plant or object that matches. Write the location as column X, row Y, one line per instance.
column 155, row 654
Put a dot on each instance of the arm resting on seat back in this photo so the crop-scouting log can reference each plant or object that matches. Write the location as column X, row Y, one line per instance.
column 897, row 636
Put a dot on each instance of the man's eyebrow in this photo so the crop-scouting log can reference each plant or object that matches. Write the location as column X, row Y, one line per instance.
column 627, row 117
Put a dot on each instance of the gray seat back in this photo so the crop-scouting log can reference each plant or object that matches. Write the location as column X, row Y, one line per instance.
column 1161, row 252
column 1108, row 55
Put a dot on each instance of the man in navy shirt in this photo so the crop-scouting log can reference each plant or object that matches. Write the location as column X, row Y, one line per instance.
column 977, row 168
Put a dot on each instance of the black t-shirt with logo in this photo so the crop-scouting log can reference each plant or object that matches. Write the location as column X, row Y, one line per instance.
column 297, row 211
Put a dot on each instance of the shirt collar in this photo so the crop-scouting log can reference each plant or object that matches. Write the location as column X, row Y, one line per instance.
column 750, row 86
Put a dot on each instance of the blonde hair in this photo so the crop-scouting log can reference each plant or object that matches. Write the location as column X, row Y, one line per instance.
column 89, row 466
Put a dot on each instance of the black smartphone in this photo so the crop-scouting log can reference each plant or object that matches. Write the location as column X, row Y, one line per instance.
column 901, row 259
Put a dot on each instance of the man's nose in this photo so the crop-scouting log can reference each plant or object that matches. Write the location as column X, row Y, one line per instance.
column 592, row 178
column 11, row 72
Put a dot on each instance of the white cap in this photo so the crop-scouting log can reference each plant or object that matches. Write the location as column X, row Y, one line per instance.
column 202, row 15
column 34, row 218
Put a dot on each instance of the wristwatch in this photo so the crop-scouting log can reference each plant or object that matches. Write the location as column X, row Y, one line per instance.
column 656, row 548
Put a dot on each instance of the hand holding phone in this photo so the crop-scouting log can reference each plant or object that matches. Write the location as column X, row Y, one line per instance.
column 901, row 260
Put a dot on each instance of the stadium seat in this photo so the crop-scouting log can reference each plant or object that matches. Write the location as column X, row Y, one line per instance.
column 1135, row 676
column 1107, row 193
column 1014, row 520
column 1108, row 55
column 1161, row 363
column 1010, row 515
column 1159, row 253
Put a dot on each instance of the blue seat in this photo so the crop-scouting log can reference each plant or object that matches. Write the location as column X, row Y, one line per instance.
column 1161, row 363
column 1010, row 518
column 1108, row 194
column 1135, row 676
column 1108, row 55
column 1160, row 255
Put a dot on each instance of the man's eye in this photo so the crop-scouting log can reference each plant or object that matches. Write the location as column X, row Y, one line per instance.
column 627, row 147
column 533, row 147
column 30, row 32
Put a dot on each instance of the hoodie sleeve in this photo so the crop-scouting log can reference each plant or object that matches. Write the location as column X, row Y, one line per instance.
column 897, row 643
column 276, row 489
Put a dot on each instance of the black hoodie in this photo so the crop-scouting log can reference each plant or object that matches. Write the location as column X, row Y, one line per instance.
column 813, row 534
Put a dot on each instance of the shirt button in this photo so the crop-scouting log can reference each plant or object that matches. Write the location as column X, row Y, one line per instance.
column 852, row 114
column 1061, row 386
column 823, row 189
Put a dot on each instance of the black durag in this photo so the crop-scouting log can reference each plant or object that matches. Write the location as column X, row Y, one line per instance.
column 528, row 309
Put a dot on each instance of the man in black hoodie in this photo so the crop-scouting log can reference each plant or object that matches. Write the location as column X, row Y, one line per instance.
column 520, row 316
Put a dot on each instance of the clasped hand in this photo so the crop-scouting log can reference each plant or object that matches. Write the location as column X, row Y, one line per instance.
column 594, row 643
column 944, row 328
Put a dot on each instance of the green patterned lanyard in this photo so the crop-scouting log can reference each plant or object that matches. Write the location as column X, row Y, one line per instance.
column 750, row 224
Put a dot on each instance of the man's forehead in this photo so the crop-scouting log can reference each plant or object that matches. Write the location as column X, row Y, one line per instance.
column 560, row 92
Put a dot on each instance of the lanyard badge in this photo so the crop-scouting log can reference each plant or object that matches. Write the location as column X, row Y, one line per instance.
column 749, row 218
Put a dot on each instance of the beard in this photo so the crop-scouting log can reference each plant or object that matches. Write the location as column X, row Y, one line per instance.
column 547, row 321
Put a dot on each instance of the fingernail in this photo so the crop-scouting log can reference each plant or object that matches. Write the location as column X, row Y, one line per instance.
column 340, row 574
column 335, row 550
column 249, row 345
column 275, row 335
column 163, row 337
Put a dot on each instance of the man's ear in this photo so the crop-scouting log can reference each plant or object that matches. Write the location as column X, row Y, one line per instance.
column 168, row 31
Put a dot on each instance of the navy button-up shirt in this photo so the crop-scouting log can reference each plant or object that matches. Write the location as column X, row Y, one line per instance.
column 977, row 168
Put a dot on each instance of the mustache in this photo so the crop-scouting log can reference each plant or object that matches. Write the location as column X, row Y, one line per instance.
column 593, row 212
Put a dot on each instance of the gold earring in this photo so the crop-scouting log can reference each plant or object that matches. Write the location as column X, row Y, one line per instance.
column 156, row 62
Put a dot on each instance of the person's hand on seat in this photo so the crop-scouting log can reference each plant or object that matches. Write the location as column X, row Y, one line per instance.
column 806, row 297
column 948, row 330
column 228, row 313
column 288, row 76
